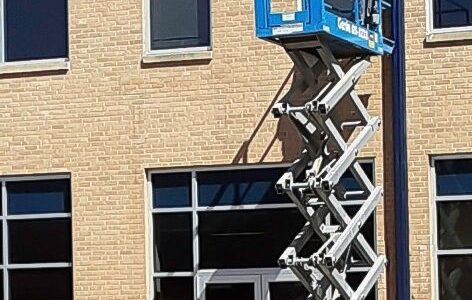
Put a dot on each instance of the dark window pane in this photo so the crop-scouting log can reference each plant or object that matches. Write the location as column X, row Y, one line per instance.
column 173, row 242
column 311, row 246
column 1, row 285
column 173, row 288
column 246, row 239
column 343, row 9
column 355, row 278
column 1, row 246
column 180, row 23
column 454, row 225
column 238, row 187
column 41, row 284
column 229, row 291
column 43, row 196
column 453, row 177
column 35, row 29
column 368, row 230
column 350, row 183
column 171, row 190
column 287, row 291
column 35, row 241
column 455, row 277
column 452, row 13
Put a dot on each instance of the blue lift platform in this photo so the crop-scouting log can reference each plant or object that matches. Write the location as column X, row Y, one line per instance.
column 330, row 43
column 350, row 27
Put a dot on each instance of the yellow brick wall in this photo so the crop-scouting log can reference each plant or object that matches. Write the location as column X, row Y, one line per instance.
column 110, row 118
column 439, row 104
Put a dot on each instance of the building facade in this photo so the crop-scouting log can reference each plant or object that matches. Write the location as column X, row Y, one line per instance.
column 139, row 151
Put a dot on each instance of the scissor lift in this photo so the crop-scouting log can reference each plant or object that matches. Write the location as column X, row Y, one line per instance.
column 330, row 43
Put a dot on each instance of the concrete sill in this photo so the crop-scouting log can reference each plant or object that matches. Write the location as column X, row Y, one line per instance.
column 177, row 56
column 30, row 66
column 455, row 36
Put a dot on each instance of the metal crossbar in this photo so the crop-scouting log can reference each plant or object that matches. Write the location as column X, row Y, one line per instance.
column 313, row 179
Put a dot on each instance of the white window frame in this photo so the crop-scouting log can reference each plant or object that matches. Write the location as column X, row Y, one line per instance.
column 204, row 279
column 200, row 275
column 443, row 34
column 35, row 65
column 175, row 54
column 280, row 277
column 4, row 218
column 434, row 221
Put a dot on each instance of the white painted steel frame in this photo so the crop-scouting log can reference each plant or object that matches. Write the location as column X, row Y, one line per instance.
column 200, row 274
column 6, row 266
column 148, row 51
column 322, row 182
column 435, row 199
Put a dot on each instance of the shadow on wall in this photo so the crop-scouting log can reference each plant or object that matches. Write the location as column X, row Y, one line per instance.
column 298, row 94
column 242, row 154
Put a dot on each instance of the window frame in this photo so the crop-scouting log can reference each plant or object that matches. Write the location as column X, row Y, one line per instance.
column 5, row 266
column 210, row 278
column 33, row 65
column 443, row 34
column 199, row 275
column 435, row 199
column 174, row 54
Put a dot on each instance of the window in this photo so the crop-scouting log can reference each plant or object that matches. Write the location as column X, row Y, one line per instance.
column 448, row 20
column 197, row 214
column 178, row 26
column 36, row 252
column 452, row 13
column 453, row 238
column 34, row 30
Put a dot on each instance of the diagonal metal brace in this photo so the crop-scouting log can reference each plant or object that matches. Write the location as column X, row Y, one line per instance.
column 353, row 228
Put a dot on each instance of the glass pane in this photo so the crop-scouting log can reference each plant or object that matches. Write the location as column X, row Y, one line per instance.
column 355, row 278
column 192, row 18
column 452, row 13
column 343, row 9
column 173, row 242
column 171, row 190
column 1, row 246
column 455, row 277
column 368, row 230
column 350, row 183
column 42, row 196
column 229, row 291
column 173, row 288
column 35, row 29
column 287, row 291
column 454, row 225
column 453, row 177
column 35, row 241
column 41, row 284
column 238, row 187
column 246, row 239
